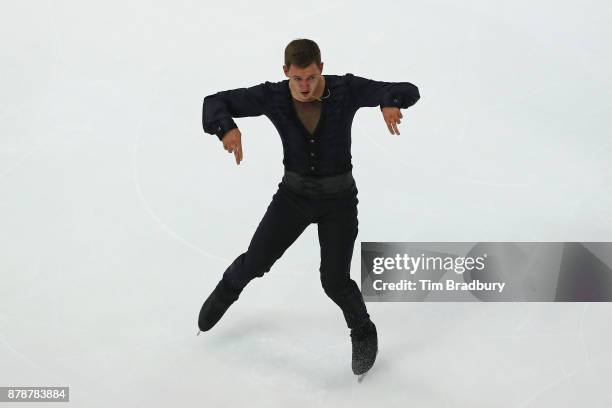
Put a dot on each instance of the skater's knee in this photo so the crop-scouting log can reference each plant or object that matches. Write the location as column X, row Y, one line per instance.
column 259, row 267
column 333, row 288
column 260, row 264
column 253, row 264
column 261, row 271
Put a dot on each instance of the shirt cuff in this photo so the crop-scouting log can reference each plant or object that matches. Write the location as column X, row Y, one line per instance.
column 223, row 126
column 392, row 101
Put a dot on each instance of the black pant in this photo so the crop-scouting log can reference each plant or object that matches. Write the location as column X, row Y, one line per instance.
column 286, row 218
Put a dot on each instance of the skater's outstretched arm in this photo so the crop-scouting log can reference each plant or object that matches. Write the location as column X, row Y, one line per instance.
column 368, row 92
column 390, row 96
column 219, row 109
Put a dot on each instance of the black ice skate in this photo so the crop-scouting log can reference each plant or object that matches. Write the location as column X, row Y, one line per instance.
column 364, row 340
column 216, row 305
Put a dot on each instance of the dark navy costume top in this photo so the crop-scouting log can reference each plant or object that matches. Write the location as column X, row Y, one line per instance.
column 327, row 151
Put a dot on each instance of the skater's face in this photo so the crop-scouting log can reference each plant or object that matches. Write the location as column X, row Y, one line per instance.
column 305, row 80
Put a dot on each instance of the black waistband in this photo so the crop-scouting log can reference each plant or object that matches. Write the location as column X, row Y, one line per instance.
column 319, row 186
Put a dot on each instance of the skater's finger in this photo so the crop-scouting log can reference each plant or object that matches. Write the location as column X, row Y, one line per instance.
column 389, row 127
column 238, row 155
column 396, row 129
column 240, row 151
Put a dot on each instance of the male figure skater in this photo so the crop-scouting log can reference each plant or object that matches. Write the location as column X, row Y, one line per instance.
column 313, row 115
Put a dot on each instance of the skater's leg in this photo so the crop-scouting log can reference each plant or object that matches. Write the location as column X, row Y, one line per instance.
column 338, row 230
column 286, row 217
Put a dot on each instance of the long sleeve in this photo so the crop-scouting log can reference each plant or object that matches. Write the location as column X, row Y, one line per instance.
column 219, row 109
column 368, row 92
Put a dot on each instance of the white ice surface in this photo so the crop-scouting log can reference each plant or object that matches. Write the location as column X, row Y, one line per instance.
column 118, row 214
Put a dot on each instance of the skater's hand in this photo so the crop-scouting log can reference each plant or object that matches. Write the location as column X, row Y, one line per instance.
column 233, row 144
column 392, row 117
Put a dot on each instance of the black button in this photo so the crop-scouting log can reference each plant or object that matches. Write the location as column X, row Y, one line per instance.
column 311, row 167
column 311, row 153
column 311, row 140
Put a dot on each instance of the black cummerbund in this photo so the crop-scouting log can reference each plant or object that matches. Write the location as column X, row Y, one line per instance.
column 320, row 187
